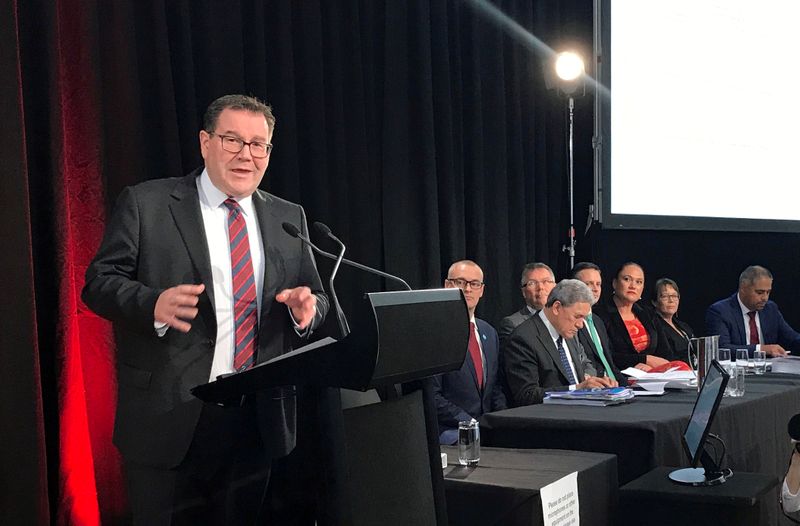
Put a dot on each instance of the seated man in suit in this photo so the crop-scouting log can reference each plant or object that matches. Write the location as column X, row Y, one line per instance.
column 474, row 389
column 537, row 282
column 593, row 336
column 542, row 354
column 749, row 319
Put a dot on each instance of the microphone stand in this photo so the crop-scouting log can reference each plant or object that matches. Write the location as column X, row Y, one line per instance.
column 293, row 231
column 344, row 328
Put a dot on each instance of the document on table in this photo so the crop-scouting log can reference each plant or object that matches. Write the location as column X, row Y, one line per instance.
column 673, row 379
column 649, row 388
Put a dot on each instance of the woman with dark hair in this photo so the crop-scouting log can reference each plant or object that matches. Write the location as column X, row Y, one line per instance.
column 635, row 338
column 666, row 299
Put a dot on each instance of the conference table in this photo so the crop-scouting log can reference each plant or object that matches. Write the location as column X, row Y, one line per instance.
column 646, row 432
column 505, row 487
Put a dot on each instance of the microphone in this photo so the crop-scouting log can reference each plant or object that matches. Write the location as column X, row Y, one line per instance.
column 794, row 428
column 293, row 231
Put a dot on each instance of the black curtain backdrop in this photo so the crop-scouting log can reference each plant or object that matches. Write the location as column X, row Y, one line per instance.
column 419, row 131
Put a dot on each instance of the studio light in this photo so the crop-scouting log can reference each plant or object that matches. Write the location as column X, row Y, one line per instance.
column 569, row 66
column 565, row 72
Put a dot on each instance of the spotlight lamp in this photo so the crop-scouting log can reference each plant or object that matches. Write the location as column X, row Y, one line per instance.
column 566, row 72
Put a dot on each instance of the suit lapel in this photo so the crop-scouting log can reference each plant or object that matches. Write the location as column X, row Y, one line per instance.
column 547, row 343
column 271, row 234
column 185, row 210
column 739, row 319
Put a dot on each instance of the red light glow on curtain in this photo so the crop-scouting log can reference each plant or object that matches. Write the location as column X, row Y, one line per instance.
column 90, row 478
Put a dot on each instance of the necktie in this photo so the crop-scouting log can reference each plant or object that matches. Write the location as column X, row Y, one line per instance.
column 245, row 307
column 753, row 328
column 475, row 354
column 565, row 362
column 598, row 346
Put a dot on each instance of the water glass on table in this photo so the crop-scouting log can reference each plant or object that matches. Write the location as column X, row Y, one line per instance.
column 724, row 359
column 743, row 360
column 469, row 443
column 760, row 362
column 736, row 382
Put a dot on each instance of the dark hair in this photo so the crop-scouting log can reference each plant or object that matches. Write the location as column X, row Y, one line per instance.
column 236, row 102
column 664, row 282
column 533, row 266
column 584, row 265
column 627, row 264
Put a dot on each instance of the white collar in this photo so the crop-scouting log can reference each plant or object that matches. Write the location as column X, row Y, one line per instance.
column 552, row 330
column 214, row 197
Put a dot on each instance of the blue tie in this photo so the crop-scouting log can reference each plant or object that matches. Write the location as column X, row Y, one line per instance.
column 565, row 362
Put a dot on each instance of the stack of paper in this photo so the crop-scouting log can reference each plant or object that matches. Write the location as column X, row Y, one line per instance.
column 597, row 397
column 671, row 379
column 785, row 364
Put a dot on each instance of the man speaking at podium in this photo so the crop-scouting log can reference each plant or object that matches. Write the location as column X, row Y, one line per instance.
column 192, row 272
column 475, row 388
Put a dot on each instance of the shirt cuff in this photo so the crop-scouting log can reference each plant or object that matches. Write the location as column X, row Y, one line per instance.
column 160, row 328
column 302, row 332
column 791, row 502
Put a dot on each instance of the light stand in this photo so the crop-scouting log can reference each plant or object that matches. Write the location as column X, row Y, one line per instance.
column 571, row 182
column 565, row 72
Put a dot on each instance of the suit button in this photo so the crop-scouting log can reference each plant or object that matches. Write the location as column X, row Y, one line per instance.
column 210, row 342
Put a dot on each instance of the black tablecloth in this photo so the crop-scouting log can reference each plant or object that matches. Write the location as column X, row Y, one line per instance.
column 646, row 432
column 746, row 499
column 504, row 488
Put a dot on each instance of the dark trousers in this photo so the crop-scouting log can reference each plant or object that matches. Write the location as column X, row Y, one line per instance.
column 222, row 480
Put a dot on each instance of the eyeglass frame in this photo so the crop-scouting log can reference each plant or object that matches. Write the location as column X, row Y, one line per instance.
column 533, row 282
column 244, row 143
column 471, row 283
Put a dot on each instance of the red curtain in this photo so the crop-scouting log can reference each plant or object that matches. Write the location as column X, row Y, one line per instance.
column 91, row 487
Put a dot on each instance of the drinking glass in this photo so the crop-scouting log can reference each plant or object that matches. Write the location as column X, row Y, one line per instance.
column 469, row 443
column 760, row 362
column 743, row 360
column 724, row 359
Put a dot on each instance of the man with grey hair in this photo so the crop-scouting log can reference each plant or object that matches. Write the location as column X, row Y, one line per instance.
column 537, row 281
column 542, row 354
column 749, row 319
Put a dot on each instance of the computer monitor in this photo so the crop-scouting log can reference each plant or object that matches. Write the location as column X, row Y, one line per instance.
column 696, row 434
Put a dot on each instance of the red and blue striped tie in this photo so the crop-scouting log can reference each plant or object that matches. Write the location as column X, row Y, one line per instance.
column 245, row 308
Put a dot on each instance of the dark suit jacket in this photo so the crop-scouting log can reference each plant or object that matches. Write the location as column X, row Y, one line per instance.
column 154, row 240
column 533, row 365
column 591, row 351
column 624, row 354
column 511, row 322
column 677, row 342
column 456, row 393
column 725, row 318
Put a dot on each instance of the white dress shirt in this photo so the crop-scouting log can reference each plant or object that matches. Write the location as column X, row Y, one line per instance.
column 746, row 317
column 215, row 221
column 555, row 336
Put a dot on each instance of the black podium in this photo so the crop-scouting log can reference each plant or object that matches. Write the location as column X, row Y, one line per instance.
column 378, row 463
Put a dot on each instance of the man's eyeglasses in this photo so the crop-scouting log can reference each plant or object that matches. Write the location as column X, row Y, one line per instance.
column 232, row 144
column 462, row 283
column 532, row 283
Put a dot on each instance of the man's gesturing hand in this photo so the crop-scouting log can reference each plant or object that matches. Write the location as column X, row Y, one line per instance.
column 177, row 304
column 302, row 303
